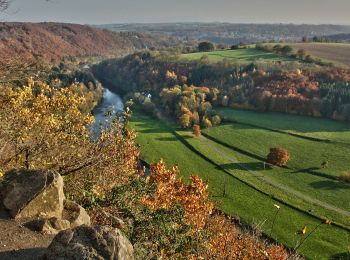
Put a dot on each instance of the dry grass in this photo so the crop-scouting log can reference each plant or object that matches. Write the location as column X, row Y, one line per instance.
column 334, row 52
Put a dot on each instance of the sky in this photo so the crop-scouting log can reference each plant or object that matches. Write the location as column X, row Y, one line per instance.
column 145, row 11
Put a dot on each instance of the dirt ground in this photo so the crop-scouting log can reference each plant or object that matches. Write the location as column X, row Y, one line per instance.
column 18, row 242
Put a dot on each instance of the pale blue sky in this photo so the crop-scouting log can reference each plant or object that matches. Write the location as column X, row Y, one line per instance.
column 126, row 11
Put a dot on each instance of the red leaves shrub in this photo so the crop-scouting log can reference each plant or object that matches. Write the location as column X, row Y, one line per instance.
column 278, row 156
column 229, row 242
column 171, row 191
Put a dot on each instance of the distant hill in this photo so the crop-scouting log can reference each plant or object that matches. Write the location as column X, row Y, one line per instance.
column 56, row 40
column 233, row 33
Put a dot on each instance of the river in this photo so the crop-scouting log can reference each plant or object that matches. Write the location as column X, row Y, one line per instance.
column 111, row 104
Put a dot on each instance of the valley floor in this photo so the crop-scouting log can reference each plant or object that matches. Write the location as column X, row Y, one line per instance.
column 244, row 190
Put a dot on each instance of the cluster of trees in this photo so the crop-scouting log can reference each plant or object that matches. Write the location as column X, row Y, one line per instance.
column 315, row 91
column 191, row 105
column 288, row 51
column 278, row 49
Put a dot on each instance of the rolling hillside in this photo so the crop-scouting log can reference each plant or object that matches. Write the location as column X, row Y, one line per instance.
column 53, row 41
column 338, row 53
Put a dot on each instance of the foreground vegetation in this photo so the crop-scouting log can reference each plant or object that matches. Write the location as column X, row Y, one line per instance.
column 47, row 128
column 161, row 140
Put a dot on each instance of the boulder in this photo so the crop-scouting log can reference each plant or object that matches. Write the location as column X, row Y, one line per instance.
column 49, row 226
column 84, row 242
column 75, row 214
column 30, row 194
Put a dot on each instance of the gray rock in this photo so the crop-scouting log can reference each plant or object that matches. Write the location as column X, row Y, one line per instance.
column 30, row 194
column 86, row 242
column 49, row 226
column 75, row 214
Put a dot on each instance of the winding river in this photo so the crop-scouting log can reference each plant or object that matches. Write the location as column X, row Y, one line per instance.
column 111, row 104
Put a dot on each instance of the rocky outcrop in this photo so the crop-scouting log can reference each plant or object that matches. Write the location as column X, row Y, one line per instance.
column 31, row 194
column 75, row 214
column 86, row 242
column 37, row 198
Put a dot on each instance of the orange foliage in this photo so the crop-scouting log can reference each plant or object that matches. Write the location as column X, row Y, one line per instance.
column 228, row 242
column 278, row 156
column 171, row 191
column 196, row 130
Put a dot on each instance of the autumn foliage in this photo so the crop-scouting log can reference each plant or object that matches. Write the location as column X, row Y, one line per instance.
column 171, row 191
column 227, row 241
column 278, row 156
column 196, row 130
column 46, row 128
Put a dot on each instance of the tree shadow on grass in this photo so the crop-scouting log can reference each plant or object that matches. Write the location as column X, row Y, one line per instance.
column 170, row 138
column 254, row 166
column 329, row 185
column 341, row 256
column 313, row 171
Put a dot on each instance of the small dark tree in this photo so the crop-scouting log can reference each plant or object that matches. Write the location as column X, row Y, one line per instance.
column 278, row 156
column 325, row 164
column 234, row 47
column 286, row 50
column 205, row 46
column 304, row 39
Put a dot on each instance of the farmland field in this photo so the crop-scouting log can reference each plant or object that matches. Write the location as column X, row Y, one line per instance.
column 246, row 196
column 243, row 55
column 334, row 52
column 325, row 129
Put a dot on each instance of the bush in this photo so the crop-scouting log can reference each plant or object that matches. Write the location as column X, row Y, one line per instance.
column 196, row 130
column 345, row 177
column 205, row 46
column 216, row 120
column 278, row 156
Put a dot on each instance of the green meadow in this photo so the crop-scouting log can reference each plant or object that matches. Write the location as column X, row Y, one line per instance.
column 242, row 55
column 235, row 183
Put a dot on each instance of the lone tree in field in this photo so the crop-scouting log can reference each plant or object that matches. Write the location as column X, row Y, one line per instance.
column 196, row 130
column 205, row 46
column 278, row 156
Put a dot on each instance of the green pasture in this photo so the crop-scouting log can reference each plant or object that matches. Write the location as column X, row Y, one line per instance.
column 242, row 55
column 243, row 197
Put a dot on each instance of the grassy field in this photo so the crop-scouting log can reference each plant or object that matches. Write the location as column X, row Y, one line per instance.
column 301, row 125
column 338, row 53
column 242, row 55
column 162, row 140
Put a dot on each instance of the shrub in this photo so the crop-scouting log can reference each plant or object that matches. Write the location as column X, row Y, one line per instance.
column 216, row 120
column 205, row 46
column 278, row 156
column 207, row 123
column 196, row 130
column 345, row 177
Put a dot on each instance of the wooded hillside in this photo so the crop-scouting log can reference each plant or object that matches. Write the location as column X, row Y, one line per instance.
column 53, row 41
